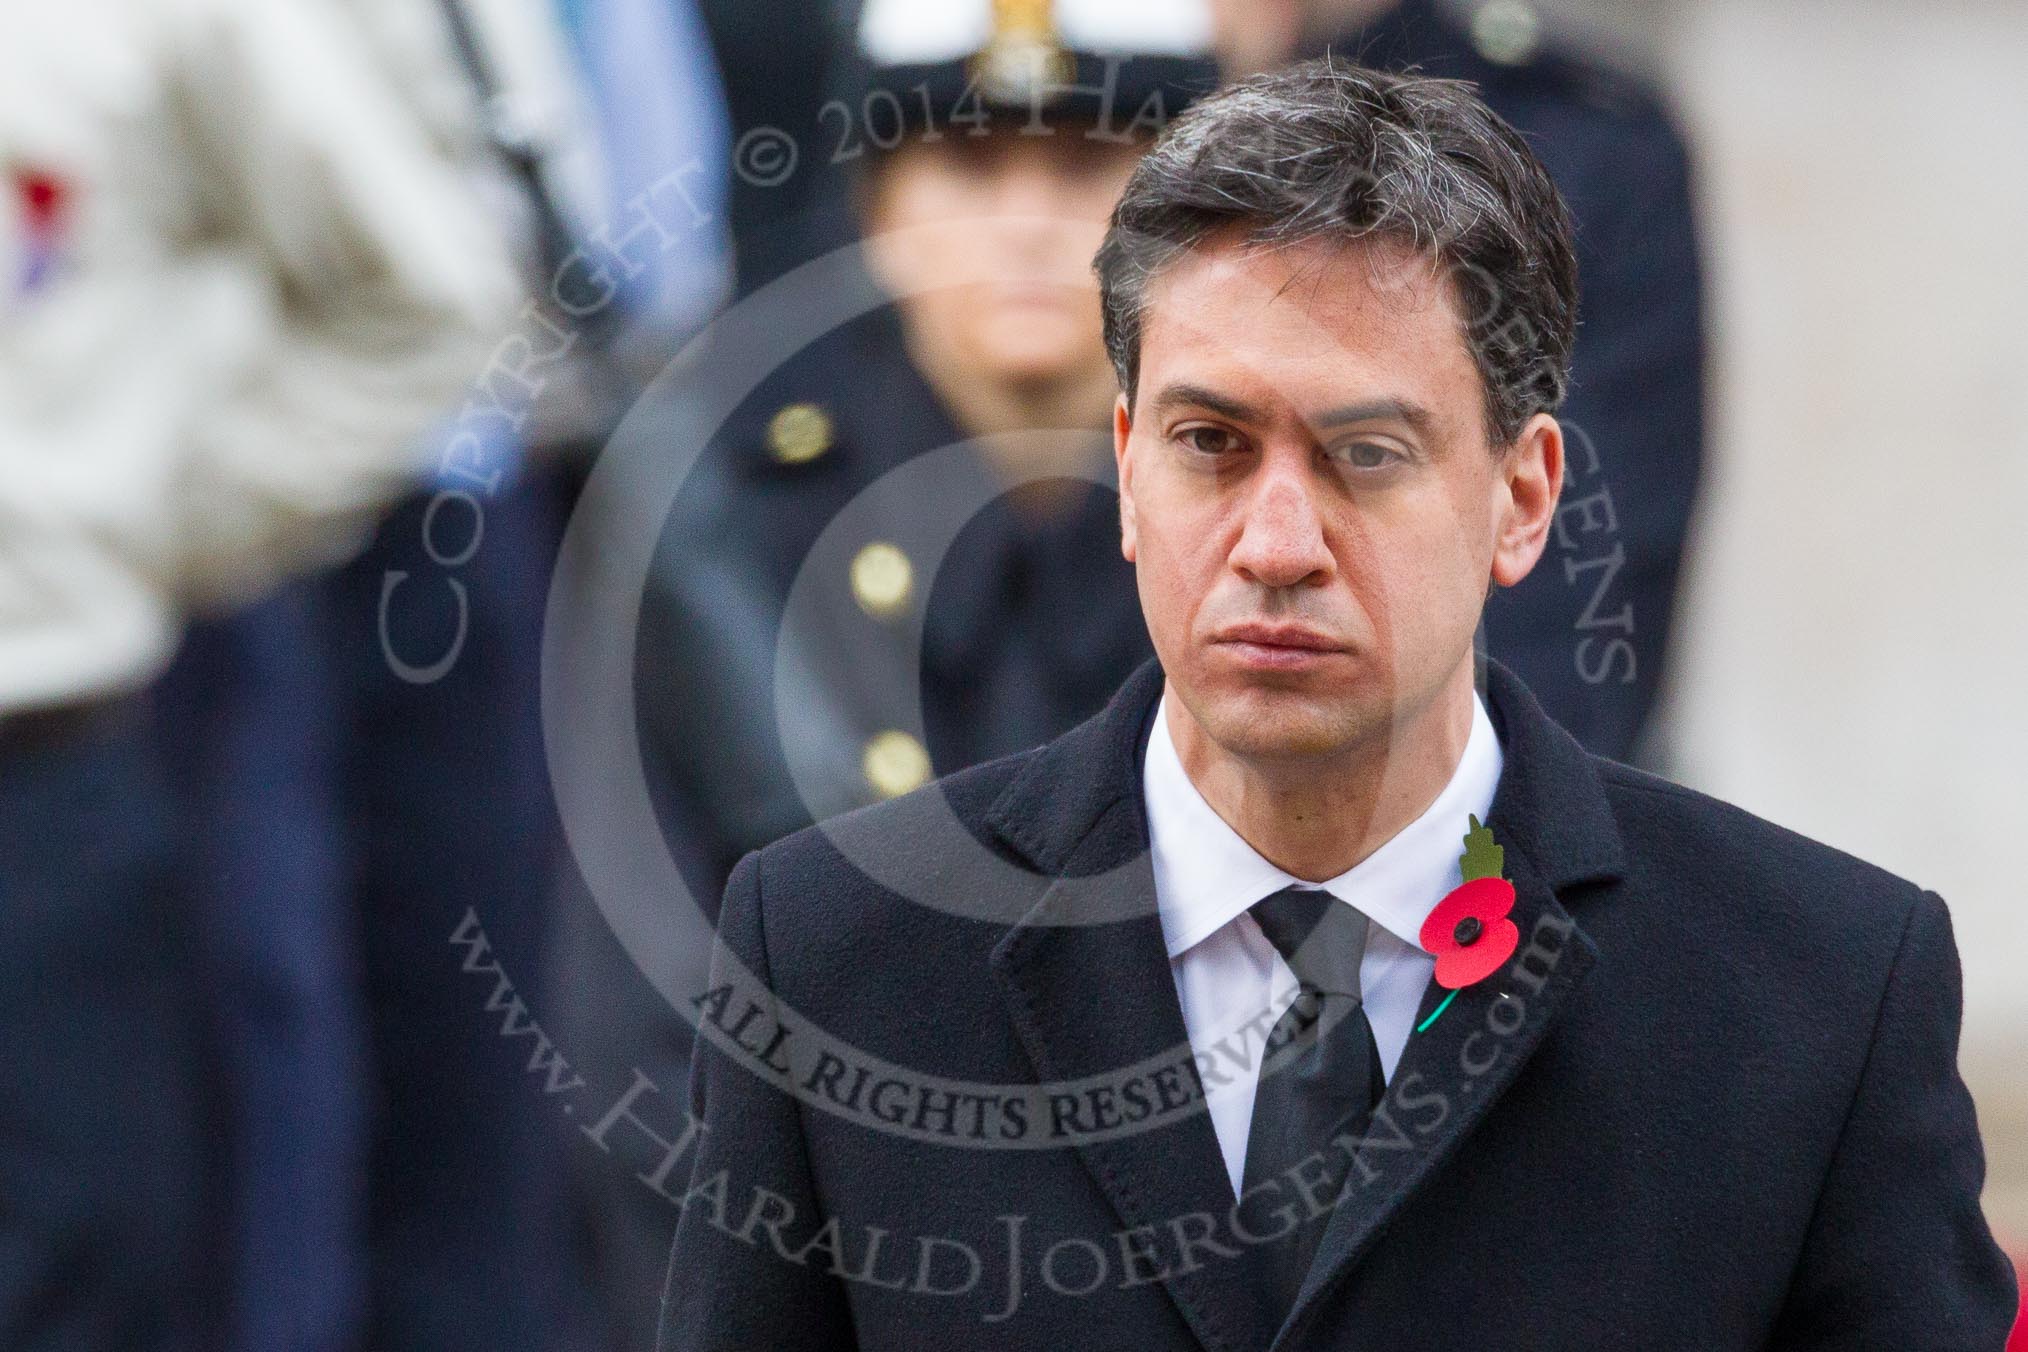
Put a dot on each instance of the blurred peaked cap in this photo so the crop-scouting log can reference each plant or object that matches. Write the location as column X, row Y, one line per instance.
column 932, row 32
column 1107, row 63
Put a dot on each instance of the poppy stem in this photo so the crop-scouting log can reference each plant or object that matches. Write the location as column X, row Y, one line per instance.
column 1424, row 1025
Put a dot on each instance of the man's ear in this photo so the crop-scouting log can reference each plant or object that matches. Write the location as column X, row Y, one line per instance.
column 1531, row 474
column 1123, row 430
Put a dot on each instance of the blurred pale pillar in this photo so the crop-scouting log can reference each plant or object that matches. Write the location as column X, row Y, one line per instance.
column 1854, row 652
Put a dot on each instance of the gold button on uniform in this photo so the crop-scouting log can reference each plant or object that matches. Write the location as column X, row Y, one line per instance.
column 895, row 763
column 881, row 579
column 799, row 433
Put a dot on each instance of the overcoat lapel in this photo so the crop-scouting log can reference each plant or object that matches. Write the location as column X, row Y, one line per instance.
column 1551, row 817
column 1092, row 1000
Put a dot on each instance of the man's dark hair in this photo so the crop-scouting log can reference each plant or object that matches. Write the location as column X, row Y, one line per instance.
column 1330, row 151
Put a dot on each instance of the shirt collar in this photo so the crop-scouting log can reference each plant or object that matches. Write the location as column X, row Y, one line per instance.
column 1206, row 874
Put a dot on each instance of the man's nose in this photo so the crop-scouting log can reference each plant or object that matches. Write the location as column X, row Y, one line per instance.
column 1282, row 541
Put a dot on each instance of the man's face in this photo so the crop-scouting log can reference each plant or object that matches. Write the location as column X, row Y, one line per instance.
column 1309, row 495
column 1037, row 205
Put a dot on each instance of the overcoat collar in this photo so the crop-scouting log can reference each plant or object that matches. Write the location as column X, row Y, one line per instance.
column 1094, row 999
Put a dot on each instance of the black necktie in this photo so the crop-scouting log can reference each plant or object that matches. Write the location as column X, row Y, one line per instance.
column 1330, row 1085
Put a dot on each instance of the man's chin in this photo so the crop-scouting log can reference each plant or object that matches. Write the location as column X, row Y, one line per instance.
column 1268, row 721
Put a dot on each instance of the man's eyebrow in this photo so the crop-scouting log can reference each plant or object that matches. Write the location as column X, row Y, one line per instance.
column 1182, row 394
column 1185, row 395
column 1375, row 410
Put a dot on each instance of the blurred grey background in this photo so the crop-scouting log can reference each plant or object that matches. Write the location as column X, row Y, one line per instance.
column 1853, row 633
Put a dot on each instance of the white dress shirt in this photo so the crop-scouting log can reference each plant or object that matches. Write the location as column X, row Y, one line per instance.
column 1232, row 983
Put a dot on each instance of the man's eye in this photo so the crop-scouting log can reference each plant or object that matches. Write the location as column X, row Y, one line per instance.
column 1208, row 440
column 1366, row 455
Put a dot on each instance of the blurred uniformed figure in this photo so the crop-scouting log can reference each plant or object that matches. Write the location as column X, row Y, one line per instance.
column 344, row 1208
column 1008, row 136
column 240, row 274
column 394, row 1181
column 1001, row 131
column 380, row 1154
column 1589, row 630
column 608, row 120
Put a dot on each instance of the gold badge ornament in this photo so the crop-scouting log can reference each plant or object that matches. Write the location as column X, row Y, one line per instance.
column 1025, row 61
column 799, row 434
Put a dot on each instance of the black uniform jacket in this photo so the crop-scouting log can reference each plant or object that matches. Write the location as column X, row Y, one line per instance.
column 933, row 619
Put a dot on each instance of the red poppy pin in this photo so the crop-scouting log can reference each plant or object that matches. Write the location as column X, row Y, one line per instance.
column 1469, row 931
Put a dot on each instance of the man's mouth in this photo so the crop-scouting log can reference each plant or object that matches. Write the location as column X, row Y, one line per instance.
column 1278, row 646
